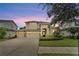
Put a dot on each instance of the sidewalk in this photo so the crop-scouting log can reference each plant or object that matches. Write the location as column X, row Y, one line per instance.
column 73, row 50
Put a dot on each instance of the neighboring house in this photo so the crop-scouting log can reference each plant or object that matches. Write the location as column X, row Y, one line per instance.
column 74, row 23
column 10, row 27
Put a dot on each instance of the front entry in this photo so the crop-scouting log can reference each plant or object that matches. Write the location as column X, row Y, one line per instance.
column 44, row 32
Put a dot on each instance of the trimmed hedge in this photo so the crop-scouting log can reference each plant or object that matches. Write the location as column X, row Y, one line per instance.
column 50, row 38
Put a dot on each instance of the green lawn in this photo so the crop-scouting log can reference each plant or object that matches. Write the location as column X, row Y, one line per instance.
column 60, row 43
column 56, row 54
column 2, row 39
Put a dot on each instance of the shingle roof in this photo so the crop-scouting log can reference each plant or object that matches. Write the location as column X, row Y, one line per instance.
column 8, row 21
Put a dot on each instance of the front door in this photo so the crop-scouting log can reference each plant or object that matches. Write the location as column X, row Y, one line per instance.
column 44, row 32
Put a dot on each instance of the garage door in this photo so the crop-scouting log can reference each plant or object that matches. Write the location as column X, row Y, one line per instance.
column 33, row 34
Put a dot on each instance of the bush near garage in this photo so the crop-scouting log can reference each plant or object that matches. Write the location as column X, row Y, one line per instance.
column 51, row 38
column 2, row 33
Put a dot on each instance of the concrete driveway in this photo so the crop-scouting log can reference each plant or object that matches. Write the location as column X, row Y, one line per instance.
column 21, row 46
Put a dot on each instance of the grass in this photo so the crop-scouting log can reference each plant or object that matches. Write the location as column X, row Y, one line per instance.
column 57, row 54
column 60, row 43
column 2, row 39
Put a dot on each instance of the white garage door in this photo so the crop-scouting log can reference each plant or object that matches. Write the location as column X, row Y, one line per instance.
column 33, row 34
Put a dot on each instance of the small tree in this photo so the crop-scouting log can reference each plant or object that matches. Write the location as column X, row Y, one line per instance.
column 2, row 33
column 57, row 32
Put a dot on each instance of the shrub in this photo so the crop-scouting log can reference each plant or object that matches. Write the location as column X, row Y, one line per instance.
column 2, row 33
column 51, row 38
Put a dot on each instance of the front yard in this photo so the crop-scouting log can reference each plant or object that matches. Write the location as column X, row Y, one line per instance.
column 60, row 43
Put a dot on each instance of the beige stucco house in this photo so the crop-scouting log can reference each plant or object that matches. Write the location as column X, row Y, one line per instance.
column 10, row 27
column 36, row 28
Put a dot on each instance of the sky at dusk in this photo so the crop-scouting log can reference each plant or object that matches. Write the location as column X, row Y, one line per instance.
column 21, row 13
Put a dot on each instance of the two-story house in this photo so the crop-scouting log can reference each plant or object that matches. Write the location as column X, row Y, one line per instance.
column 10, row 27
column 37, row 27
